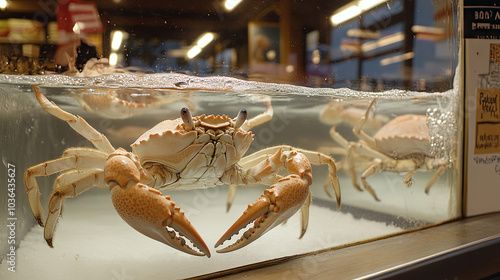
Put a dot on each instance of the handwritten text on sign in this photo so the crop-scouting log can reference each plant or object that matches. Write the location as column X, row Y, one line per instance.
column 487, row 121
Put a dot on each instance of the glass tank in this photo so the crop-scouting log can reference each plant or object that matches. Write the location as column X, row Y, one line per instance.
column 283, row 127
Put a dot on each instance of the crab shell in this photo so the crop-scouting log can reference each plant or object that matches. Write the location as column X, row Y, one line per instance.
column 174, row 145
column 403, row 136
column 336, row 113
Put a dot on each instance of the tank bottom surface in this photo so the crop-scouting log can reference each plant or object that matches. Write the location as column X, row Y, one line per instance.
column 93, row 242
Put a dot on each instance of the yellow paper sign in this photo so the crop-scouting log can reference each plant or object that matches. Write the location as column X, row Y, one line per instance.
column 487, row 121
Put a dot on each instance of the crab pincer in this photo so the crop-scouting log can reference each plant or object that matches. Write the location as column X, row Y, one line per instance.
column 276, row 205
column 147, row 210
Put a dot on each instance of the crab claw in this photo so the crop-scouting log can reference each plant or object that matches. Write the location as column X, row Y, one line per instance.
column 148, row 211
column 274, row 207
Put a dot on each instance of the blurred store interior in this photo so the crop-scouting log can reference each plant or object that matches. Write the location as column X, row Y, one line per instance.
column 368, row 45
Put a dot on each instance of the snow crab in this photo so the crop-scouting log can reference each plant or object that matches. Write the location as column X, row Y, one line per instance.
column 401, row 145
column 185, row 153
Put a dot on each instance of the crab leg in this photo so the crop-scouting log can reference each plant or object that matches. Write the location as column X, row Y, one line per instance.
column 77, row 123
column 278, row 203
column 439, row 172
column 90, row 179
column 408, row 179
column 230, row 196
column 383, row 162
column 261, row 118
column 358, row 127
column 349, row 167
column 146, row 209
column 112, row 107
column 87, row 158
column 339, row 139
column 373, row 169
column 315, row 158
column 379, row 161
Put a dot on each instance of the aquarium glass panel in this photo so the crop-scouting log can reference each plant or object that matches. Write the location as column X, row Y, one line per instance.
column 172, row 140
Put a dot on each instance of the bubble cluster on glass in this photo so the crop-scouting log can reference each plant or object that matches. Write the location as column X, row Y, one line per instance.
column 442, row 130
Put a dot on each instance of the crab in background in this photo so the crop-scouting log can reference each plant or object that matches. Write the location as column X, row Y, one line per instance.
column 349, row 113
column 185, row 153
column 123, row 103
column 401, row 145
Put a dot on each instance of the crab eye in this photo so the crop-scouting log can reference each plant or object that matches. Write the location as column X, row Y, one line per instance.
column 241, row 118
column 187, row 118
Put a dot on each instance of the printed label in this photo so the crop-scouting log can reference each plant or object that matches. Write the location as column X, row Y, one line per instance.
column 481, row 20
column 487, row 121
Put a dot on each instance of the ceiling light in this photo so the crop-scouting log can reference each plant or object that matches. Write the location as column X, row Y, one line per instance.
column 363, row 33
column 194, row 51
column 316, row 57
column 428, row 29
column 368, row 4
column 117, row 40
column 205, row 40
column 177, row 53
column 397, row 58
column 113, row 59
column 231, row 4
column 350, row 45
column 384, row 41
column 3, row 4
column 345, row 15
column 429, row 32
column 353, row 9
